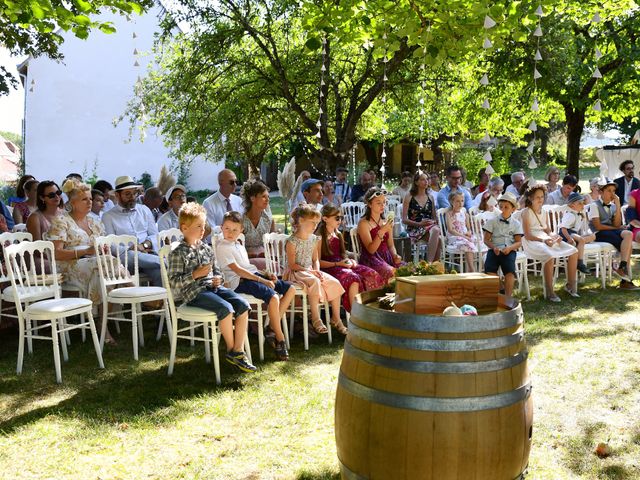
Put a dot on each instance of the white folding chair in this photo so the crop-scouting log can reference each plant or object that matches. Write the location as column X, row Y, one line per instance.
column 196, row 317
column 452, row 255
column 276, row 259
column 116, row 281
column 352, row 212
column 167, row 237
column 355, row 243
column 6, row 239
column 24, row 260
column 19, row 227
column 392, row 204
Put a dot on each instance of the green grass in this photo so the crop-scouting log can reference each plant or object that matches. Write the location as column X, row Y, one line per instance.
column 131, row 421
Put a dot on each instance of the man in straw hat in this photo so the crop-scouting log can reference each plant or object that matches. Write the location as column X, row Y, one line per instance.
column 129, row 217
column 605, row 219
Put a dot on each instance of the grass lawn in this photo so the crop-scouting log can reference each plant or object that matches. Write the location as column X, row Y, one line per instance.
column 131, row 421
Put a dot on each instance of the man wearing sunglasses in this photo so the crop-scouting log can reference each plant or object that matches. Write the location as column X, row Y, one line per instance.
column 223, row 200
column 132, row 218
column 454, row 184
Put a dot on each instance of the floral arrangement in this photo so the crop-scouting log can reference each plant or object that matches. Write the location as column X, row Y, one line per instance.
column 421, row 268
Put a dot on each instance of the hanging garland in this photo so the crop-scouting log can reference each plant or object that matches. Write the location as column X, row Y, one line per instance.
column 489, row 23
column 423, row 96
column 535, row 106
column 384, row 132
column 597, row 106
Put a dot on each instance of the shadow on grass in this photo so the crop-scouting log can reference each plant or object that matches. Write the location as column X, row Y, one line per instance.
column 126, row 390
column 324, row 474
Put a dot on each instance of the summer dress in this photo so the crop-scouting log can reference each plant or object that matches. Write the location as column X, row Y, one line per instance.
column 326, row 289
column 381, row 260
column 462, row 244
column 540, row 251
column 253, row 239
column 418, row 213
column 367, row 278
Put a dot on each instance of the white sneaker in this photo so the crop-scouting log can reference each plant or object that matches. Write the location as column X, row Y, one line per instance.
column 571, row 292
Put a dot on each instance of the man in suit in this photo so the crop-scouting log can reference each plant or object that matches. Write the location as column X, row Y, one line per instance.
column 627, row 182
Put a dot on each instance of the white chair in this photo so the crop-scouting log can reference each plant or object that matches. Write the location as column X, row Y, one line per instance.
column 355, row 242
column 276, row 259
column 6, row 239
column 116, row 282
column 196, row 317
column 167, row 237
column 352, row 212
column 392, row 204
column 451, row 255
column 24, row 260
column 19, row 227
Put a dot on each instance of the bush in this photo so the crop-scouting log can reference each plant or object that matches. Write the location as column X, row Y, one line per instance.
column 145, row 180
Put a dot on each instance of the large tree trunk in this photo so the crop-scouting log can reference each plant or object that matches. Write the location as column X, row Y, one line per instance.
column 575, row 127
column 438, row 154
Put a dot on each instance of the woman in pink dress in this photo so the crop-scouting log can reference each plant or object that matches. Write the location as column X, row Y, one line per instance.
column 374, row 233
column 22, row 210
column 354, row 278
column 632, row 214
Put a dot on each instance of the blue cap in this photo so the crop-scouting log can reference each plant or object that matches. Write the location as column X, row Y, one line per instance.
column 574, row 197
column 307, row 184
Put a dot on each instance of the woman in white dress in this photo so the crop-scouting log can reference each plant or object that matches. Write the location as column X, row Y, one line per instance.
column 541, row 244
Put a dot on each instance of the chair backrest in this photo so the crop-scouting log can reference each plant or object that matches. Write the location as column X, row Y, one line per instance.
column 355, row 243
column 27, row 264
column 352, row 212
column 623, row 212
column 10, row 238
column 392, row 204
column 167, row 237
column 554, row 215
column 164, row 252
column 474, row 211
column 20, row 227
column 442, row 220
column 111, row 253
column 275, row 253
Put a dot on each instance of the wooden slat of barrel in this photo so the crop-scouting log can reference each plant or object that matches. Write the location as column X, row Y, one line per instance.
column 379, row 441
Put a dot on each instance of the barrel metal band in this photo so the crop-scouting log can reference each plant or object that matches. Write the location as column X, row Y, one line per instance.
column 438, row 324
column 435, row 367
column 347, row 474
column 435, row 345
column 434, row 404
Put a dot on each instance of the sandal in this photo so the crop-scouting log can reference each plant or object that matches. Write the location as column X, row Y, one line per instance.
column 339, row 326
column 319, row 327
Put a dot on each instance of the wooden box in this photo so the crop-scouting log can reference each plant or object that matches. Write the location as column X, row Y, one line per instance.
column 431, row 294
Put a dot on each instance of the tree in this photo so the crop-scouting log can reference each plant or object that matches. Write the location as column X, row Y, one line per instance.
column 568, row 49
column 31, row 27
column 255, row 60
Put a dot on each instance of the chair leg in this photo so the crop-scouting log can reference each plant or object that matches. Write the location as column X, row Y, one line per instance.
column 56, row 350
column 134, row 331
column 140, row 327
column 103, row 327
column 83, row 331
column 285, row 330
column 292, row 312
column 94, row 336
column 328, row 318
column 160, row 327
column 207, row 344
column 27, row 326
column 247, row 348
column 167, row 318
column 216, row 353
column 21, row 340
column 63, row 338
column 172, row 356
column 260, row 332
column 193, row 334
column 305, row 322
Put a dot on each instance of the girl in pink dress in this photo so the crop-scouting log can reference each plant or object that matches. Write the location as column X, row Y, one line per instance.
column 303, row 267
column 459, row 234
column 354, row 278
column 374, row 233
column 633, row 214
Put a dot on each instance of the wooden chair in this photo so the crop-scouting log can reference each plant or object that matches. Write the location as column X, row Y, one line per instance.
column 116, row 282
column 276, row 258
column 24, row 260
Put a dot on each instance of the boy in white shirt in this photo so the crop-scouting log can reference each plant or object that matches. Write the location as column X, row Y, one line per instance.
column 243, row 277
column 574, row 229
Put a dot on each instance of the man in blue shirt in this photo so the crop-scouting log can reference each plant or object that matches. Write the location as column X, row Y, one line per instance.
column 7, row 216
column 454, row 184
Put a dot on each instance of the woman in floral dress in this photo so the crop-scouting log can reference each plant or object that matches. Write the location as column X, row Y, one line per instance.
column 418, row 214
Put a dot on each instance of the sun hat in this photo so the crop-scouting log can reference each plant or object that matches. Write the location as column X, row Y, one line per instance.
column 508, row 197
column 574, row 197
column 310, row 182
column 173, row 189
column 124, row 182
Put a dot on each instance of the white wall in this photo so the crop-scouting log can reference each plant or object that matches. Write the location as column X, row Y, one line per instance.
column 69, row 115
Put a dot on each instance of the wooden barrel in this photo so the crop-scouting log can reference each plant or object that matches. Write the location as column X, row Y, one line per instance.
column 428, row 397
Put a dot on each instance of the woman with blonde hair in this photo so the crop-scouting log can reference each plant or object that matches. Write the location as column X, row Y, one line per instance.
column 552, row 178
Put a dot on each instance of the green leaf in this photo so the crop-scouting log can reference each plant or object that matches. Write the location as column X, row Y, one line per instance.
column 107, row 28
column 313, row 43
column 37, row 10
column 82, row 20
column 82, row 5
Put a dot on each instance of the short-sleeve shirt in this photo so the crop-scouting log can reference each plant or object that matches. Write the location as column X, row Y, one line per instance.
column 503, row 231
column 233, row 252
column 556, row 198
column 576, row 221
column 604, row 212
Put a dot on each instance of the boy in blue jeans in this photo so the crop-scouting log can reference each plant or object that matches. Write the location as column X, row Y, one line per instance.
column 196, row 279
column 502, row 236
column 243, row 277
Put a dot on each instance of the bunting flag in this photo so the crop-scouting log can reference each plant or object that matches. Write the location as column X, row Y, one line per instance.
column 597, row 74
column 323, row 70
column 535, row 104
column 488, row 24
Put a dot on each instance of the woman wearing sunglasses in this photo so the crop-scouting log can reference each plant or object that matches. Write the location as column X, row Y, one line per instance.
column 375, row 234
column 332, row 253
column 49, row 206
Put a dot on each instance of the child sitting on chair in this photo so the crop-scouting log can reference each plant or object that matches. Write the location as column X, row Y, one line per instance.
column 574, row 229
column 196, row 279
column 502, row 236
column 243, row 277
